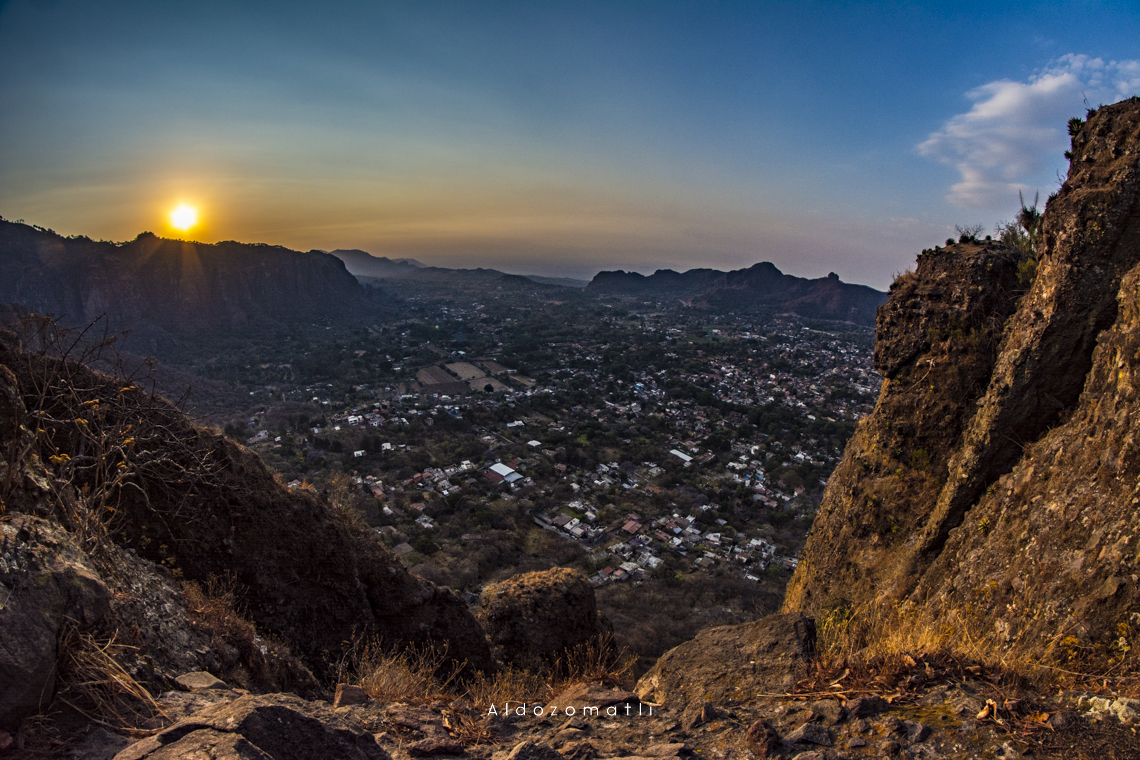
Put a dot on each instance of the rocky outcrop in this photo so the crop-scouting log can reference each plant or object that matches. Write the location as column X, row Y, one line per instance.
column 1025, row 537
column 536, row 617
column 937, row 344
column 46, row 582
column 732, row 663
column 265, row 727
column 188, row 499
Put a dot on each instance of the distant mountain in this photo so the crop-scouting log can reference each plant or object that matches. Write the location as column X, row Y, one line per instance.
column 565, row 282
column 761, row 285
column 177, row 286
column 414, row 262
column 364, row 264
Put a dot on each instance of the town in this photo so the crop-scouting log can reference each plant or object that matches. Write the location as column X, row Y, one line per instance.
column 645, row 443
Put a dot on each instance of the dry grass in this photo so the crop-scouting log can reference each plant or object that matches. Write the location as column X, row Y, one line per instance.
column 93, row 682
column 509, row 685
column 421, row 675
column 215, row 609
column 417, row 674
column 599, row 660
column 904, row 278
column 892, row 649
column 470, row 729
column 343, row 497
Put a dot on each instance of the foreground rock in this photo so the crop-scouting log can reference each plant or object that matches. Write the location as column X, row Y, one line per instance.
column 266, row 727
column 938, row 721
column 45, row 583
column 733, row 663
column 535, row 617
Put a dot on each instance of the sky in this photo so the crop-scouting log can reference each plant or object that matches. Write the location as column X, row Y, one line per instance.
column 557, row 138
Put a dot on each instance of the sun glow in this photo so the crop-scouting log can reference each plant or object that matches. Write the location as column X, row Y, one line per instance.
column 184, row 217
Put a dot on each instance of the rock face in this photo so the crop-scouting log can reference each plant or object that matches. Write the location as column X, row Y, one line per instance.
column 938, row 336
column 45, row 581
column 203, row 505
column 265, row 727
column 732, row 663
column 536, row 617
column 1025, row 535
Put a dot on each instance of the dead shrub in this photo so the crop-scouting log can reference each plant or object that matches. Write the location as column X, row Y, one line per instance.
column 599, row 660
column 415, row 674
column 903, row 279
column 470, row 729
column 508, row 685
column 94, row 683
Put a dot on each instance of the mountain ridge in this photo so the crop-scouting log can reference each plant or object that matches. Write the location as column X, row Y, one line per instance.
column 761, row 285
column 179, row 286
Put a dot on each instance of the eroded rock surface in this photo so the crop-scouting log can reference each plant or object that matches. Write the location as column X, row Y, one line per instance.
column 536, row 617
column 997, row 491
column 733, row 663
column 276, row 726
column 46, row 581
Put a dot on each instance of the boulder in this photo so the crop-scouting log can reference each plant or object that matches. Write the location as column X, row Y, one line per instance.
column 810, row 733
column 763, row 739
column 733, row 663
column 199, row 679
column 45, row 580
column 581, row 694
column 347, row 695
column 536, row 617
column 99, row 744
column 265, row 727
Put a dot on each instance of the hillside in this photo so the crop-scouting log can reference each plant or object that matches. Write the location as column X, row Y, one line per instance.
column 759, row 286
column 131, row 485
column 364, row 265
column 172, row 286
column 993, row 490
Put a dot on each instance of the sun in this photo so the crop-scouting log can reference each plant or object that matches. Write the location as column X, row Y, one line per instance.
column 184, row 217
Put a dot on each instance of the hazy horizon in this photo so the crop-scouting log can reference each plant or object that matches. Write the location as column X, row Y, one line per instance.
column 559, row 138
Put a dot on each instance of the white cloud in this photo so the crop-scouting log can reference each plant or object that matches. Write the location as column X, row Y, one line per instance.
column 1013, row 128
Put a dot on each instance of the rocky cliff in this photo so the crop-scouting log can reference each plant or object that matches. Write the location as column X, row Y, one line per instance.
column 178, row 286
column 996, row 481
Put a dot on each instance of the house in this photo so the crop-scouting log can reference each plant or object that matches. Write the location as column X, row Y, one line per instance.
column 682, row 456
column 500, row 473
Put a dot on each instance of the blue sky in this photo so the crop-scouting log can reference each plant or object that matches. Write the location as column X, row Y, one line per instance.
column 553, row 137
